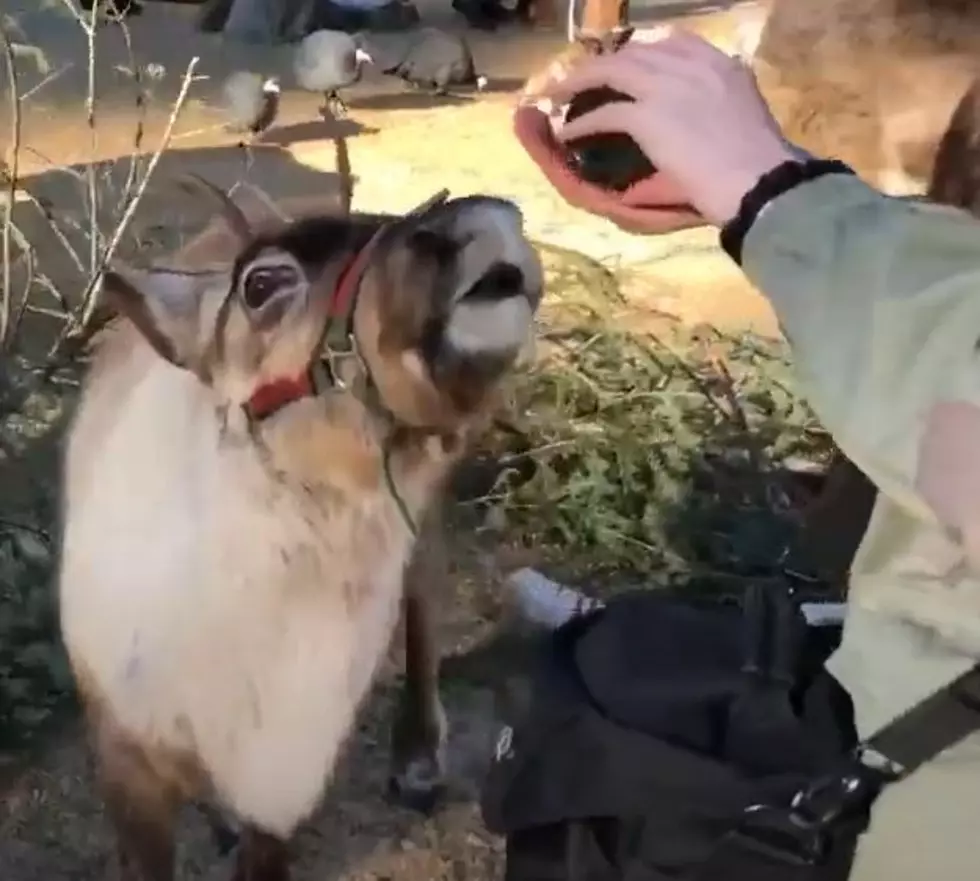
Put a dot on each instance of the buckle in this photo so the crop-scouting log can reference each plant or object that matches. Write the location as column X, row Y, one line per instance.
column 836, row 797
column 780, row 835
column 802, row 833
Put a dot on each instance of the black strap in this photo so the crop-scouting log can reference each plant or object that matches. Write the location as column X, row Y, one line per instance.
column 772, row 184
column 820, row 828
column 931, row 726
column 914, row 738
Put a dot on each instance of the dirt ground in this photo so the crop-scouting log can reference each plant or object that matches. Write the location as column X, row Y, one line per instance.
column 50, row 822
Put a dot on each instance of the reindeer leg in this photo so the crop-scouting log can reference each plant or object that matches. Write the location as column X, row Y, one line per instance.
column 419, row 731
column 141, row 806
column 261, row 857
column 224, row 836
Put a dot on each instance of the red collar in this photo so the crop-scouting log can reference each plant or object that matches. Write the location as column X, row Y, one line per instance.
column 272, row 396
column 276, row 394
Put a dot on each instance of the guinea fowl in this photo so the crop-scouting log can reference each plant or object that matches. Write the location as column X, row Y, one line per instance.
column 328, row 61
column 251, row 105
column 251, row 102
column 427, row 58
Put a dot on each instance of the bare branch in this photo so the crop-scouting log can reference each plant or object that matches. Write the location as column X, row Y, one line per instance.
column 90, row 170
column 140, row 129
column 78, row 328
column 11, row 174
column 48, row 79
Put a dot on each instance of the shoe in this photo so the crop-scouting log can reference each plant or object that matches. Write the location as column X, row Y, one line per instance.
column 398, row 15
column 395, row 16
column 482, row 15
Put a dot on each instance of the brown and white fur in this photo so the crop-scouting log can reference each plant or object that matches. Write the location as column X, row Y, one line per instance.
column 229, row 587
column 873, row 82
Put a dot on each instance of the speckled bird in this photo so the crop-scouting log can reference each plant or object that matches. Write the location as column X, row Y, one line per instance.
column 328, row 61
column 251, row 102
column 426, row 58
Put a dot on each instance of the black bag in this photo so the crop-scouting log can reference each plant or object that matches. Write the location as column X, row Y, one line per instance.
column 666, row 739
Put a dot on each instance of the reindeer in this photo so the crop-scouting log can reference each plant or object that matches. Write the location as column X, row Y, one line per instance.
column 872, row 82
column 259, row 445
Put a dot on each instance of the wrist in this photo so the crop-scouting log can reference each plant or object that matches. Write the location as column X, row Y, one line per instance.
column 746, row 178
column 778, row 180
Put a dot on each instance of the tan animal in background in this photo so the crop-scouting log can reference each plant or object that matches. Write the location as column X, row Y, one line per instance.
column 241, row 509
column 873, row 82
column 735, row 30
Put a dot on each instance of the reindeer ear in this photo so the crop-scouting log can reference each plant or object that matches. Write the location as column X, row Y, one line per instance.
column 163, row 305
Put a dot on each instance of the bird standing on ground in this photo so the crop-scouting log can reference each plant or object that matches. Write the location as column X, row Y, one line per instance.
column 327, row 61
column 251, row 102
column 427, row 58
column 251, row 105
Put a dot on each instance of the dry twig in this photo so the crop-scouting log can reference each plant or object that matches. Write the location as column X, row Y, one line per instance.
column 10, row 172
column 79, row 326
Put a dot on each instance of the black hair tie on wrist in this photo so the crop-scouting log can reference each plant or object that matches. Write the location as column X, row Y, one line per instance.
column 771, row 185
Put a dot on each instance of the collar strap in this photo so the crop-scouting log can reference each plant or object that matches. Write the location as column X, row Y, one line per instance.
column 338, row 330
column 276, row 394
column 272, row 396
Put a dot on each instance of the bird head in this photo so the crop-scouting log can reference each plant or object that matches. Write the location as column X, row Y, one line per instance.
column 362, row 57
column 271, row 86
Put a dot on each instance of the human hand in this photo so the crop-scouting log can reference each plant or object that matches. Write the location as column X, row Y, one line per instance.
column 656, row 205
column 698, row 115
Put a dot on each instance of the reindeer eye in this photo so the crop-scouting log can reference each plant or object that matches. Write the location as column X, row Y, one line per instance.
column 263, row 283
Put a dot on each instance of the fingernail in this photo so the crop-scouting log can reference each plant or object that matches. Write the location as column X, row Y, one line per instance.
column 652, row 35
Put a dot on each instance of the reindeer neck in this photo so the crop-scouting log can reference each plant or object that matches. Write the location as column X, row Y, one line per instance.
column 338, row 449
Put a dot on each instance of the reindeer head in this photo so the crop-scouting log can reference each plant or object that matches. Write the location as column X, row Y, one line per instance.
column 437, row 305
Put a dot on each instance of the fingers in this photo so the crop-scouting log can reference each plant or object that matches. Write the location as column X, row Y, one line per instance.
column 654, row 206
column 614, row 117
column 657, row 34
column 619, row 71
column 633, row 69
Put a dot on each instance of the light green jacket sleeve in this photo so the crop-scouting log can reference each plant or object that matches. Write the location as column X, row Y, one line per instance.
column 880, row 300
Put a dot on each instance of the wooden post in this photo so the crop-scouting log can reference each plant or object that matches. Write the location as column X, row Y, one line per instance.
column 600, row 16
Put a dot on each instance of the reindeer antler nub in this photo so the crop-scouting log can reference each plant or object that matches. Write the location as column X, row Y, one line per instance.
column 232, row 214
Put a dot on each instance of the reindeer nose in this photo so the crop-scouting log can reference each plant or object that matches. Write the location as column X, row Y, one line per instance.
column 502, row 280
